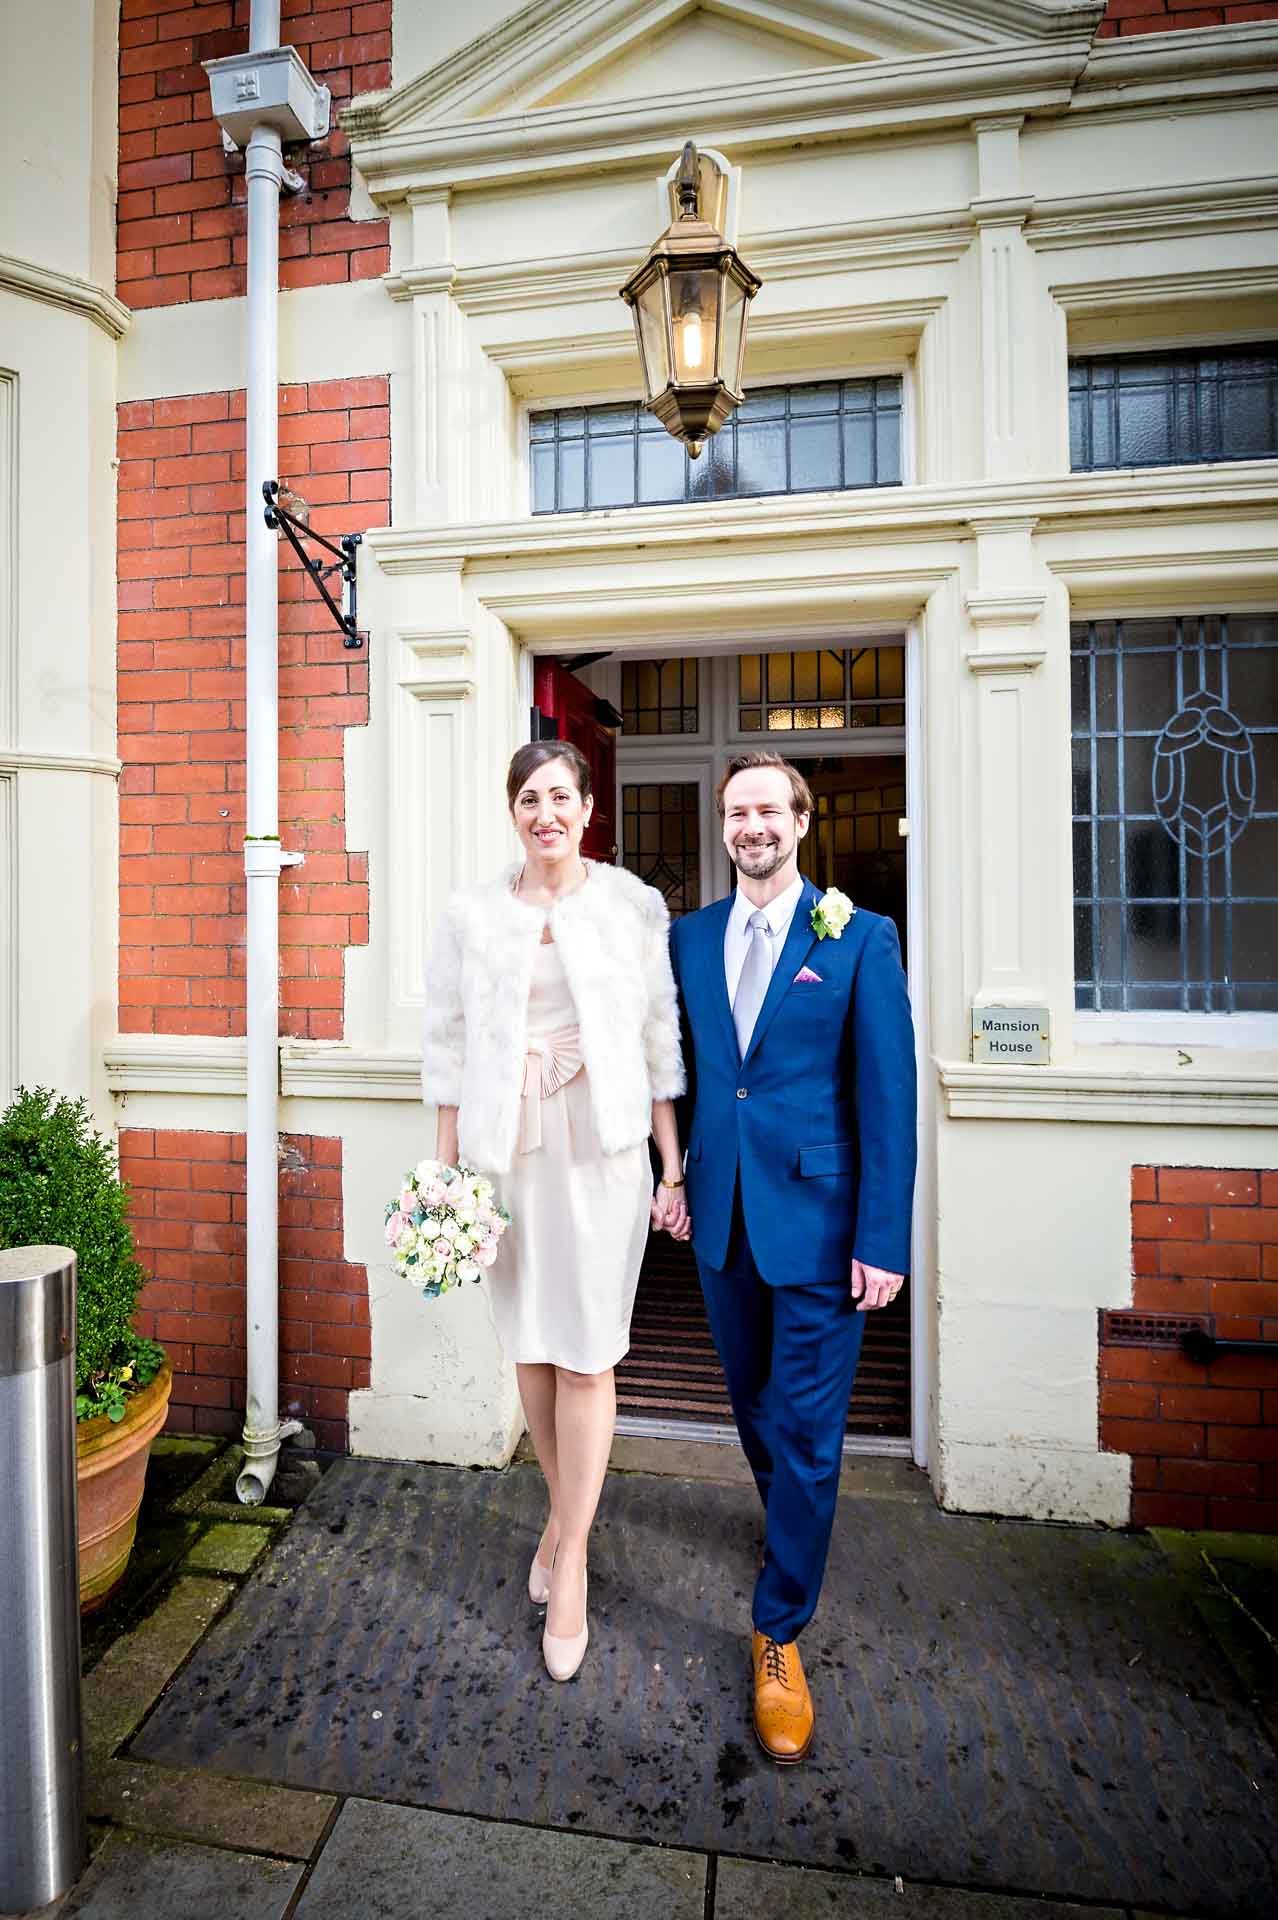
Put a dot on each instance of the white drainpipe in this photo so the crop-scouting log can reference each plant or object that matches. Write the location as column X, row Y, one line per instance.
column 263, row 858
column 241, row 82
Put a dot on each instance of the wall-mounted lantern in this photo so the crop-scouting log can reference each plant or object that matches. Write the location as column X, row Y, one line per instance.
column 689, row 301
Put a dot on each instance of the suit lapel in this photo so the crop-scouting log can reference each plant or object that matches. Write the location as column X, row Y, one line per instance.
column 712, row 926
column 799, row 942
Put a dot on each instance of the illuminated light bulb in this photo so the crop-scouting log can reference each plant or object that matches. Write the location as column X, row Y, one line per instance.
column 692, row 348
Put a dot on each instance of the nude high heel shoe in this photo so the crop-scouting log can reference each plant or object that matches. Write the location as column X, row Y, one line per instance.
column 563, row 1654
column 539, row 1581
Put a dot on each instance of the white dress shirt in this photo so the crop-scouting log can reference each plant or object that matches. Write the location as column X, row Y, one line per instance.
column 737, row 935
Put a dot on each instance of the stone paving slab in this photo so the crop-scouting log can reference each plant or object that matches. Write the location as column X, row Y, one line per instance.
column 134, row 1670
column 758, row 1890
column 137, row 1878
column 201, row 1806
column 384, row 1862
column 228, row 1549
column 1000, row 1705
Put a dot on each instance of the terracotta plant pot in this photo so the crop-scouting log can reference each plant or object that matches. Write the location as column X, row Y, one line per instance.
column 111, row 1475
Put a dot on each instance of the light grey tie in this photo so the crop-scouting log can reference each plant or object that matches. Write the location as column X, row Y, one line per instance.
column 756, row 974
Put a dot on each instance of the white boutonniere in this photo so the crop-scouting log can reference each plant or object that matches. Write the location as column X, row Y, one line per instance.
column 831, row 914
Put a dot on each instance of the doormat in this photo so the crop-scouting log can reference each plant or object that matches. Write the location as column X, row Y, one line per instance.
column 999, row 1704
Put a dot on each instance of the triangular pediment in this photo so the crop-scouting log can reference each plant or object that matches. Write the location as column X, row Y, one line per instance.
column 554, row 54
column 702, row 40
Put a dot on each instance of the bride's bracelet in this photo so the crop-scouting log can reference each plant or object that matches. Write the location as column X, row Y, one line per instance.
column 672, row 1184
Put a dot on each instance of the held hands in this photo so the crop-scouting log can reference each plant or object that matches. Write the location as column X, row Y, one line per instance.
column 873, row 1286
column 670, row 1212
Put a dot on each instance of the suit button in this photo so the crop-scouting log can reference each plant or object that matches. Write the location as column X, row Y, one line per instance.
column 741, row 1093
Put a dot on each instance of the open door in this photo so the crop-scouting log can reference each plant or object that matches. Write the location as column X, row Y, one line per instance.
column 564, row 708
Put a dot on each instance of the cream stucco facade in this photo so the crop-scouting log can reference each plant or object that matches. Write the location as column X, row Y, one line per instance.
column 59, row 327
column 964, row 195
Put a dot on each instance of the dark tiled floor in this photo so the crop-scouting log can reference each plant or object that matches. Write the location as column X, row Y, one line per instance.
column 1028, row 1708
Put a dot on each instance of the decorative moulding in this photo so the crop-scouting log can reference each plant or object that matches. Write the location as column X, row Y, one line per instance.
column 154, row 1063
column 174, row 1063
column 871, row 97
column 325, row 1072
column 432, row 664
column 147, row 1063
column 1180, row 494
column 1223, row 1099
column 522, row 285
column 1101, row 219
column 34, row 760
column 1179, row 67
column 544, row 47
column 898, row 322
column 66, row 290
column 409, row 282
column 1005, row 615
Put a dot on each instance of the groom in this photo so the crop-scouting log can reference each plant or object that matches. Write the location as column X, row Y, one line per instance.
column 800, row 1172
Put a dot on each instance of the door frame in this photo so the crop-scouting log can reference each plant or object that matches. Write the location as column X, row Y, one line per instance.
column 698, row 761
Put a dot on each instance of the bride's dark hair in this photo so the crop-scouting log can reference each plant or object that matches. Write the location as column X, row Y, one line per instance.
column 538, row 753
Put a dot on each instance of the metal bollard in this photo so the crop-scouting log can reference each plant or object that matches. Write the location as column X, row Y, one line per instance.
column 42, row 1829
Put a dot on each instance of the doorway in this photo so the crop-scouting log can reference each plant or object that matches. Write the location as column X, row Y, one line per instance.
column 838, row 712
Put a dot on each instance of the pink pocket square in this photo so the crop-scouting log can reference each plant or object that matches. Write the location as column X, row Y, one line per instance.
column 805, row 977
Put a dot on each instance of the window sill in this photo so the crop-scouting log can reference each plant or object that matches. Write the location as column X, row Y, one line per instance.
column 1143, row 1086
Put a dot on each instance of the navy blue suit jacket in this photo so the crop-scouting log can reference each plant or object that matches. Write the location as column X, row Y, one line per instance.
column 818, row 1120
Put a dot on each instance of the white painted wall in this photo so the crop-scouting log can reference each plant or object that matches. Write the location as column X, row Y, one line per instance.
column 57, row 549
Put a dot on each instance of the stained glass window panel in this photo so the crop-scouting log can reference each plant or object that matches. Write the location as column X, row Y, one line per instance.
column 1175, row 757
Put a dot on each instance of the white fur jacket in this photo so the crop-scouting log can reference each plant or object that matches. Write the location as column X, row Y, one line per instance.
column 613, row 938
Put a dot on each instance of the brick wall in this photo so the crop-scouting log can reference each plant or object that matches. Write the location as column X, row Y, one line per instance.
column 1170, row 16
column 1203, row 1438
column 180, row 688
column 187, row 1210
column 181, row 232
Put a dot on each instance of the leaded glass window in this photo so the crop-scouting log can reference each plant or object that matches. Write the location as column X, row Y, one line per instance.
column 829, row 434
column 829, row 687
column 1175, row 757
column 661, row 839
column 660, row 696
column 1168, row 409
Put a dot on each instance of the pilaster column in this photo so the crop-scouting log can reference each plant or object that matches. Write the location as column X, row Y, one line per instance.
column 1000, row 211
column 1021, row 798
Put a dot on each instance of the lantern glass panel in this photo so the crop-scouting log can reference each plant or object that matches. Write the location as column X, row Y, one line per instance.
column 694, row 302
column 650, row 320
column 734, row 308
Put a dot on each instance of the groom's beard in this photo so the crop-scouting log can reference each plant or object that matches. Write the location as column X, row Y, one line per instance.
column 761, row 859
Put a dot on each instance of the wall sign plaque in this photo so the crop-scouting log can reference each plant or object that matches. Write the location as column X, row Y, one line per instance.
column 1011, row 1036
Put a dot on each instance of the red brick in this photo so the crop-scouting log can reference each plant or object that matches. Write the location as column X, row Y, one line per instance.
column 1161, row 1222
column 1243, row 1516
column 1245, row 1223
column 1159, row 1437
column 1246, row 1297
column 1125, row 1400
column 1242, row 1443
column 1168, row 1510
column 1144, row 1183
column 1241, row 1478
column 1161, row 1295
column 193, row 1389
column 1206, row 1186
column 1232, row 1406
column 1209, row 1260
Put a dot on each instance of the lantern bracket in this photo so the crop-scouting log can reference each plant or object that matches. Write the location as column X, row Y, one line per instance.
column 280, row 519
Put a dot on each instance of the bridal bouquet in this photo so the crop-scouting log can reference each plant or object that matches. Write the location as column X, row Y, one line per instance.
column 445, row 1226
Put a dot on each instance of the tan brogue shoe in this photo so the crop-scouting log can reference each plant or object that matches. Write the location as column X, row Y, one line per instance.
column 783, row 1716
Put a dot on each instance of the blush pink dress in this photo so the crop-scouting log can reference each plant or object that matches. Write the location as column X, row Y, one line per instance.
column 563, row 1286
